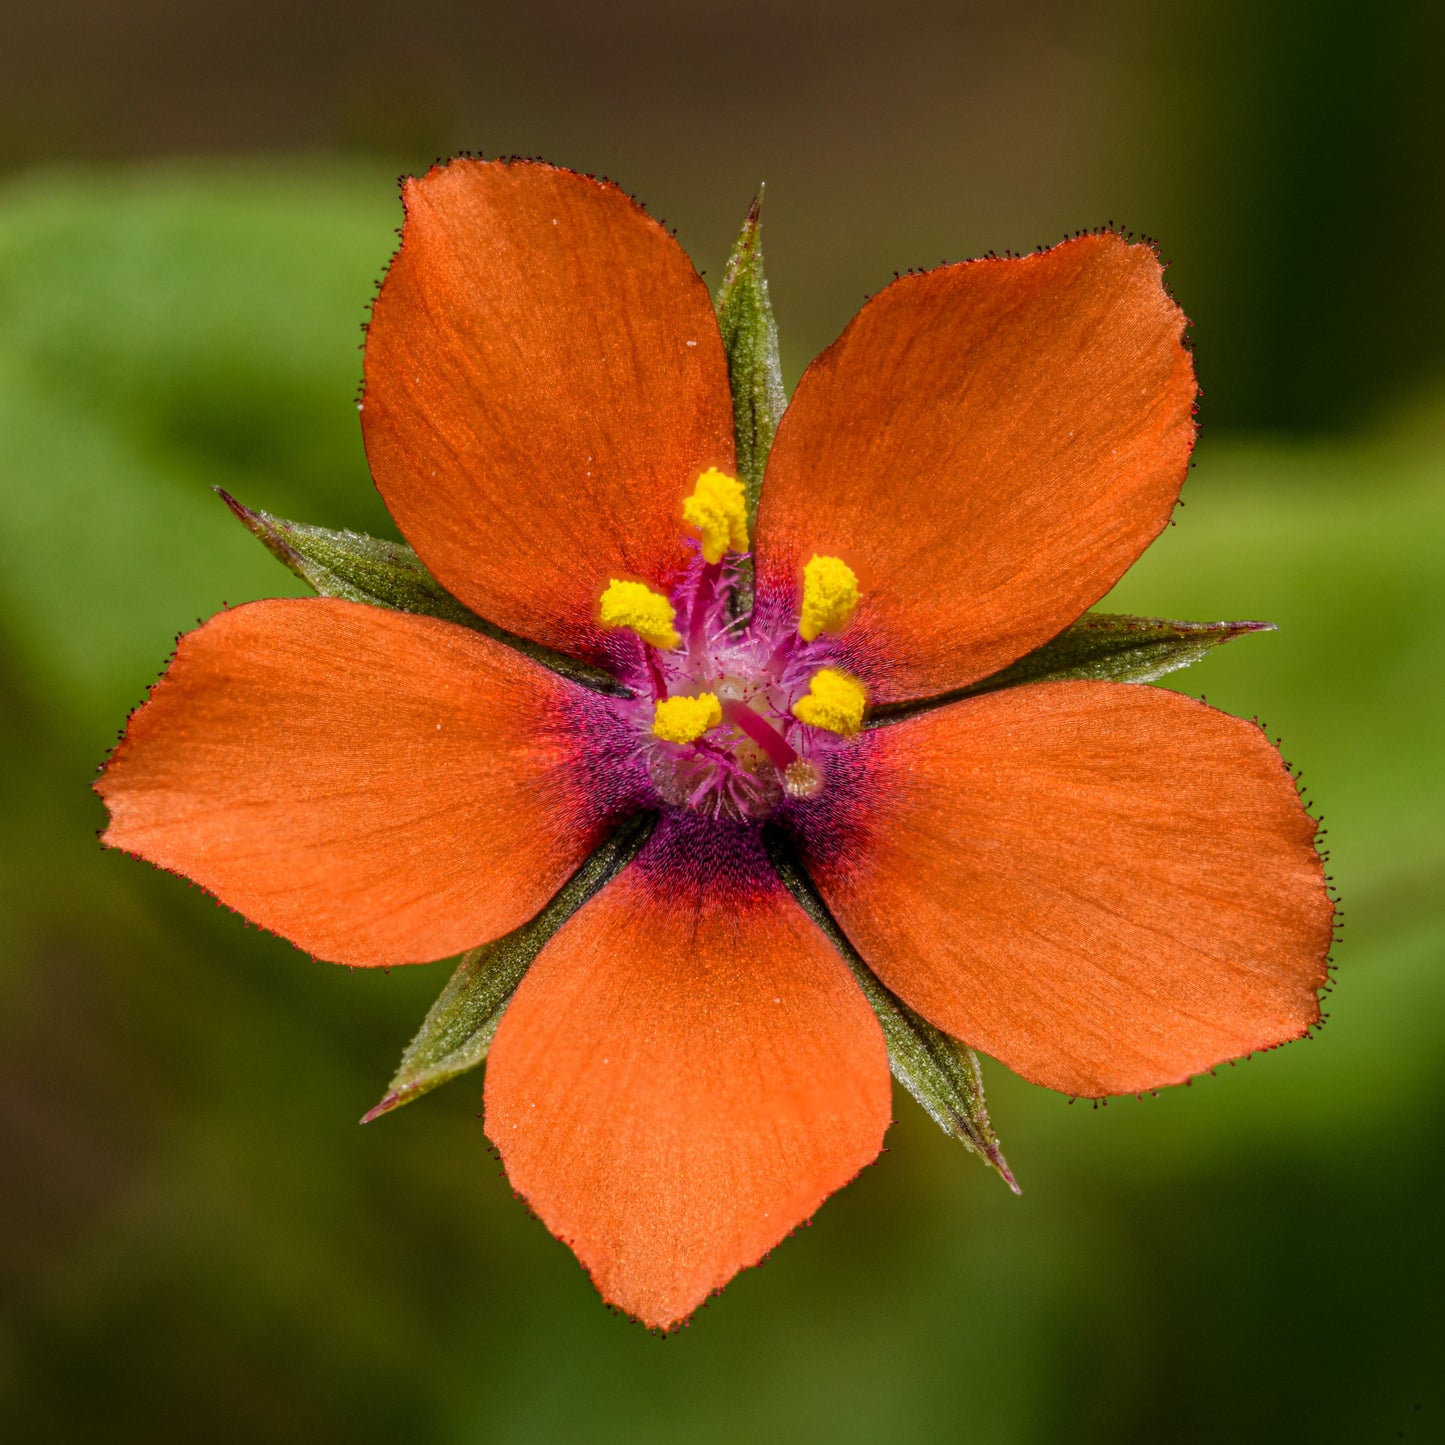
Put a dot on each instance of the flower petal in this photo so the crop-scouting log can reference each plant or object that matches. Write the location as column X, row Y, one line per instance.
column 686, row 1073
column 1107, row 887
column 545, row 382
column 989, row 446
column 378, row 788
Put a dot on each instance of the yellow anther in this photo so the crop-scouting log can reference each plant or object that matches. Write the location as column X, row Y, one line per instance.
column 718, row 508
column 634, row 605
column 685, row 719
column 834, row 702
column 830, row 597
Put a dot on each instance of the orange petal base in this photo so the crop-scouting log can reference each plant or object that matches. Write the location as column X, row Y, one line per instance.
column 1108, row 888
column 686, row 1073
column 378, row 788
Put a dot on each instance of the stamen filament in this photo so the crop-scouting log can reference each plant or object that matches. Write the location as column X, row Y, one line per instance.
column 697, row 615
column 779, row 660
column 779, row 751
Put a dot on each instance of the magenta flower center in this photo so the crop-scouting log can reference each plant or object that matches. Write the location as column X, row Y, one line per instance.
column 754, row 751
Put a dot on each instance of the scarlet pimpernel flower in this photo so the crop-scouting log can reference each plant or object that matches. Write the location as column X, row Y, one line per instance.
column 749, row 751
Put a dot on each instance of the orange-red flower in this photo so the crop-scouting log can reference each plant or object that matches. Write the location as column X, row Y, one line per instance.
column 1107, row 887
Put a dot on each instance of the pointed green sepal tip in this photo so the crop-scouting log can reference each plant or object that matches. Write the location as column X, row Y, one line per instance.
column 942, row 1073
column 755, row 372
column 1099, row 647
column 262, row 527
column 379, row 573
column 750, row 341
column 392, row 1101
column 458, row 1029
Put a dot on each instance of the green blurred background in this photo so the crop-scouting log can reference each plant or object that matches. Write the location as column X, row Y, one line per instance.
column 196, row 1241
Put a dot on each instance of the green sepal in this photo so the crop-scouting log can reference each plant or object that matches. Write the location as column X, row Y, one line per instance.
column 939, row 1071
column 1101, row 646
column 459, row 1028
column 358, row 568
column 750, row 340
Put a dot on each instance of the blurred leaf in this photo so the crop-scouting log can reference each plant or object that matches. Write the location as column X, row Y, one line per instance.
column 358, row 568
column 939, row 1071
column 209, row 314
column 458, row 1030
column 163, row 330
column 750, row 339
column 1102, row 646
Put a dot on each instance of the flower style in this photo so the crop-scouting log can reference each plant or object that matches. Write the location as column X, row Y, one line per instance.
column 1107, row 887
